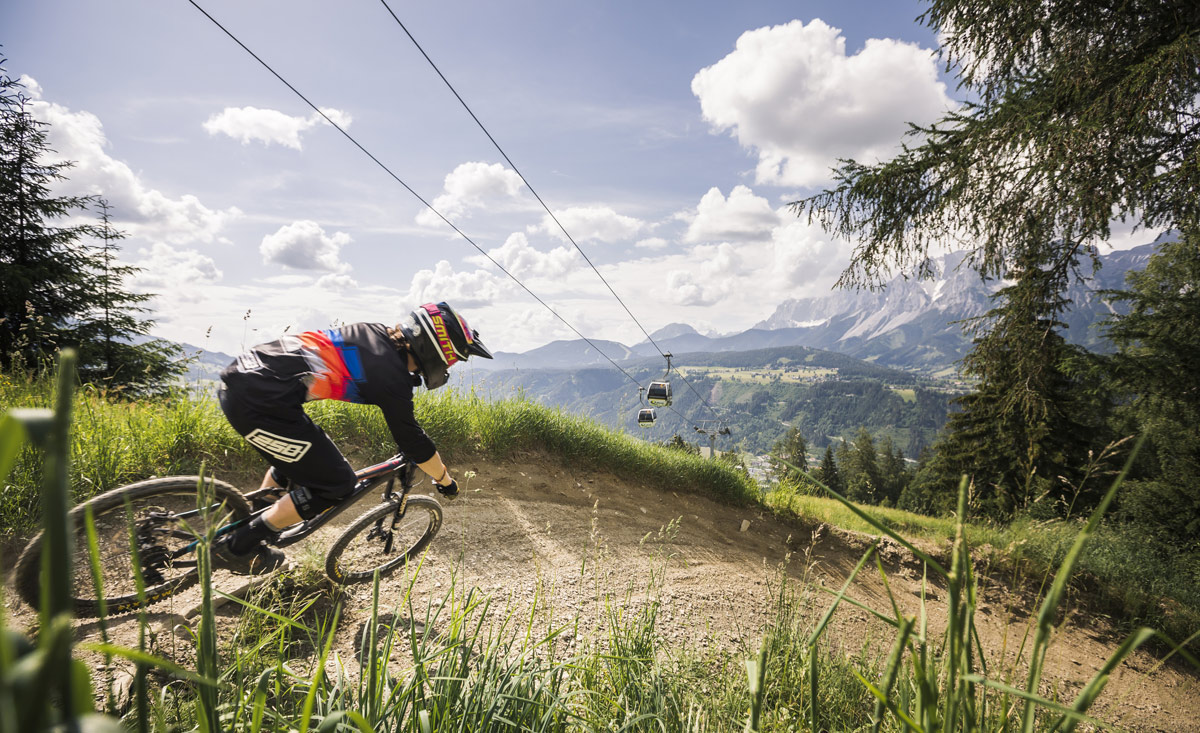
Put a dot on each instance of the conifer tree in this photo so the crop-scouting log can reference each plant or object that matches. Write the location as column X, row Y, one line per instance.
column 892, row 471
column 105, row 334
column 828, row 474
column 1158, row 355
column 46, row 271
column 1021, row 432
column 56, row 289
column 792, row 449
column 860, row 470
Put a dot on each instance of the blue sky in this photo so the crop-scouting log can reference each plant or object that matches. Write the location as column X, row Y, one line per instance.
column 666, row 137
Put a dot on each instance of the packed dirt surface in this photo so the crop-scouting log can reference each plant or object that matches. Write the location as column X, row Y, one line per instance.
column 580, row 544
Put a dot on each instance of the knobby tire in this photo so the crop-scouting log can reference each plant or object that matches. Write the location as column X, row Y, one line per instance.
column 163, row 497
column 364, row 546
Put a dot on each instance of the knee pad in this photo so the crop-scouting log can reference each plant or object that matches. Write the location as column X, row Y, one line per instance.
column 278, row 477
column 310, row 503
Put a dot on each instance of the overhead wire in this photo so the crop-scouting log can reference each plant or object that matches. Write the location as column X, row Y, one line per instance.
column 537, row 196
column 447, row 221
column 412, row 191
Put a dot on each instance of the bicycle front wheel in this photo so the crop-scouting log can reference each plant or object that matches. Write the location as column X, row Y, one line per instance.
column 165, row 521
column 383, row 539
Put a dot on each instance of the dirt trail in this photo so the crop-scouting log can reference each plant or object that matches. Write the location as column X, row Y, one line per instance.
column 577, row 539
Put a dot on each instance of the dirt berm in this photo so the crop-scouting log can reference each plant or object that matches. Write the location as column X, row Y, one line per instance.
column 574, row 538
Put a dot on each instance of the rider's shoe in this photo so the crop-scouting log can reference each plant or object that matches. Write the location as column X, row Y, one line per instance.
column 262, row 558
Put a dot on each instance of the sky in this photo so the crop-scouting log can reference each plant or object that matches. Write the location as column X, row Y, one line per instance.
column 666, row 137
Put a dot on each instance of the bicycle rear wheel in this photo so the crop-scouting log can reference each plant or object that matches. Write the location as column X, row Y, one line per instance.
column 165, row 519
column 383, row 540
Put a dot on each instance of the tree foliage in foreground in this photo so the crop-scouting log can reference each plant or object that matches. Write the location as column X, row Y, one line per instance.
column 56, row 288
column 1156, row 364
column 1078, row 112
column 1023, row 433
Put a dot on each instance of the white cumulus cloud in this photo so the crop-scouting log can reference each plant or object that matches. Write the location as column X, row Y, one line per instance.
column 520, row 258
column 792, row 93
column 139, row 210
column 652, row 243
column 465, row 289
column 716, row 277
column 741, row 217
column 269, row 126
column 592, row 223
column 801, row 254
column 304, row 245
column 167, row 268
column 472, row 186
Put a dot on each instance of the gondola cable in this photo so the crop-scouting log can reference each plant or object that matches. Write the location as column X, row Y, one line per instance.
column 533, row 191
column 441, row 216
column 418, row 196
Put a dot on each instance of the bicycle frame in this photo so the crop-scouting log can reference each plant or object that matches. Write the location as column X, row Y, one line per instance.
column 368, row 478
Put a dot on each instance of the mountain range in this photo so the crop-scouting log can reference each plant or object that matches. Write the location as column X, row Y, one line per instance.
column 908, row 324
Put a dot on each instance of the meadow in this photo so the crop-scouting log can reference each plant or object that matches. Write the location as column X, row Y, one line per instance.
column 276, row 671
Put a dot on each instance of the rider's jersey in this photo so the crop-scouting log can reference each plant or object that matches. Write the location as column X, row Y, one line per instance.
column 354, row 363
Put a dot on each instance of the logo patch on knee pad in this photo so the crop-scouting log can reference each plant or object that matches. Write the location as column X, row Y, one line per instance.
column 288, row 450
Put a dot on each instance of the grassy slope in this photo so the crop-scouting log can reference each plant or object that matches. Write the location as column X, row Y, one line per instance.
column 117, row 443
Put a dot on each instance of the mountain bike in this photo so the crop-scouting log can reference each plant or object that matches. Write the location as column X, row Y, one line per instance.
column 151, row 529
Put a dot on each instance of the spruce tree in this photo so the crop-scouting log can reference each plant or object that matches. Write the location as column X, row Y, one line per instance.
column 45, row 271
column 1020, row 434
column 1158, row 342
column 828, row 474
column 56, row 288
column 791, row 449
column 105, row 334
column 860, row 470
column 892, row 471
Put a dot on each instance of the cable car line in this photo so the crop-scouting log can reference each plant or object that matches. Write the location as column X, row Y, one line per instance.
column 533, row 191
column 418, row 196
column 516, row 170
column 451, row 224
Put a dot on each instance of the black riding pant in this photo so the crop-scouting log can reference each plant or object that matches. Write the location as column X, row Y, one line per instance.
column 319, row 475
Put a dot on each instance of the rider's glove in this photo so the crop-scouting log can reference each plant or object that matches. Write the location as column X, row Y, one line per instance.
column 450, row 491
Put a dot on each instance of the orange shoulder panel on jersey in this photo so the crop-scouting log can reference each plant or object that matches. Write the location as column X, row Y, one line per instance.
column 331, row 378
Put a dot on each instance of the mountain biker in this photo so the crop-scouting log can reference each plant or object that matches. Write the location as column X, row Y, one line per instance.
column 264, row 389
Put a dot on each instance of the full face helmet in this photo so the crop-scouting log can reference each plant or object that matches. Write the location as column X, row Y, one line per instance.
column 438, row 339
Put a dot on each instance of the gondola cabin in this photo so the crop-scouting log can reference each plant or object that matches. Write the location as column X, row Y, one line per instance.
column 659, row 394
column 647, row 416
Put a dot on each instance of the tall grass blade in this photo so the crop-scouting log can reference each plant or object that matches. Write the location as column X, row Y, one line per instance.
column 206, row 652
column 93, row 546
column 1058, row 589
column 756, row 671
column 820, row 628
column 318, row 677
column 12, row 439
column 869, row 519
column 260, row 700
column 58, row 539
column 891, row 672
column 140, row 691
column 1095, row 686
column 813, row 714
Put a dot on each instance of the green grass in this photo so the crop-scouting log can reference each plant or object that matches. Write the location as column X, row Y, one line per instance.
column 906, row 393
column 470, row 666
column 1119, row 574
column 115, row 443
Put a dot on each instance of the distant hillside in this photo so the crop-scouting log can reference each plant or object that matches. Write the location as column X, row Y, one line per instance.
column 759, row 394
column 909, row 324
